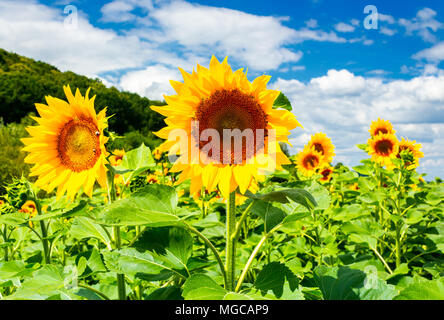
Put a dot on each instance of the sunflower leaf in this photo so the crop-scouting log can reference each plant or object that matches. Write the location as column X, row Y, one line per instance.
column 282, row 102
column 153, row 205
column 135, row 162
column 300, row 196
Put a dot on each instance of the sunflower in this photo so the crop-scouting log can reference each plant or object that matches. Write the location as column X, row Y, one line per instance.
column 413, row 149
column 383, row 148
column 30, row 208
column 326, row 174
column 67, row 148
column 217, row 99
column 322, row 144
column 152, row 178
column 354, row 187
column 381, row 126
column 309, row 160
column 116, row 158
column 157, row 153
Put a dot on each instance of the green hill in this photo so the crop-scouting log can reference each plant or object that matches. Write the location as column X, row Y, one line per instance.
column 24, row 81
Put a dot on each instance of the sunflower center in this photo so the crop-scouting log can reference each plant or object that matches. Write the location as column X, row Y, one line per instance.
column 232, row 109
column 384, row 147
column 311, row 161
column 381, row 130
column 318, row 147
column 79, row 144
column 325, row 173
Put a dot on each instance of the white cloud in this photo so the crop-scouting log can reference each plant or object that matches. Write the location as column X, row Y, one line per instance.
column 355, row 22
column 344, row 27
column 386, row 18
column 343, row 105
column 258, row 41
column 424, row 24
column 312, row 23
column 121, row 10
column 38, row 31
column 151, row 82
column 435, row 53
column 387, row 31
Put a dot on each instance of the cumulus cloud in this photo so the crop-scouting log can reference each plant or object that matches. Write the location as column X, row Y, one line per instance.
column 342, row 105
column 39, row 32
column 258, row 41
column 344, row 27
column 151, row 82
column 434, row 54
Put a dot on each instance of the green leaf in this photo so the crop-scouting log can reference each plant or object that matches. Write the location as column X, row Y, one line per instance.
column 202, row 287
column 423, row 290
column 285, row 195
column 365, row 170
column 13, row 269
column 153, row 205
column 282, row 102
column 271, row 215
column 48, row 282
column 136, row 161
column 84, row 227
column 272, row 277
column 80, row 209
column 349, row 212
column 81, row 265
column 343, row 283
column 172, row 245
column 95, row 262
column 166, row 293
column 237, row 296
column 15, row 219
column 131, row 262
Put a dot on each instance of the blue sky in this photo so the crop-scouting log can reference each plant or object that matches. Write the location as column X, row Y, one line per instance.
column 338, row 74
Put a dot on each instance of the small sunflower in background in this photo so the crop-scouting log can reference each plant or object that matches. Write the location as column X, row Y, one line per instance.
column 309, row 160
column 326, row 174
column 157, row 153
column 354, row 187
column 67, row 147
column 152, row 178
column 116, row 157
column 321, row 143
column 381, row 126
column 413, row 149
column 383, row 148
column 30, row 208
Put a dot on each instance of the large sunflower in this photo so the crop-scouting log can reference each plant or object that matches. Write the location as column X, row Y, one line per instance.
column 381, row 126
column 309, row 160
column 218, row 98
column 321, row 143
column 67, row 147
column 413, row 148
column 383, row 148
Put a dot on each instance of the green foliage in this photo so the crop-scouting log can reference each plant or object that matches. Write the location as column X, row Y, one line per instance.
column 24, row 81
column 12, row 158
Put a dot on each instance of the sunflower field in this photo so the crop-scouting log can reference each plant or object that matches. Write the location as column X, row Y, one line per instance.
column 95, row 223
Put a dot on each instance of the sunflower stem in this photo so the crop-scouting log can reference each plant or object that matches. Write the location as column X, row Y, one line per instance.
column 44, row 237
column 44, row 242
column 116, row 233
column 230, row 267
